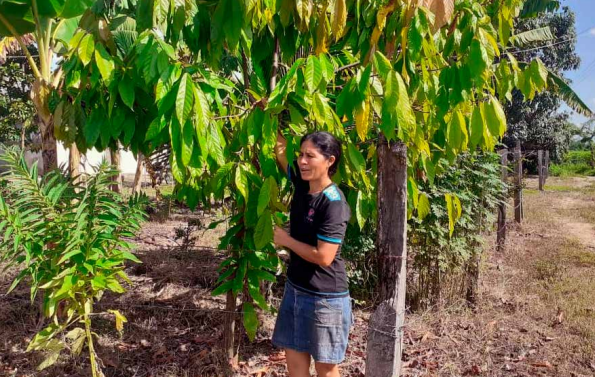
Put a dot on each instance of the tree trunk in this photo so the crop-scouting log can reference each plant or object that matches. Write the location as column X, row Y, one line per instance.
column 540, row 169
column 74, row 162
column 385, row 331
column 501, row 231
column 547, row 166
column 49, row 149
column 115, row 161
column 518, row 182
column 229, row 324
column 136, row 186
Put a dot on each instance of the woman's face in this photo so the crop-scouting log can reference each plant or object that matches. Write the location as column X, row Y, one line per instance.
column 313, row 165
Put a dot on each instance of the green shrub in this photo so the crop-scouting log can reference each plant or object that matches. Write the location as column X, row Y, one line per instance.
column 69, row 242
column 575, row 163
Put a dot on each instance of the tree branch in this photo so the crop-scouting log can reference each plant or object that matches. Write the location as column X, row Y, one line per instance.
column 275, row 69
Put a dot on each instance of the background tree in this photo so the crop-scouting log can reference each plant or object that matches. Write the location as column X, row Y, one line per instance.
column 16, row 109
column 539, row 123
column 50, row 24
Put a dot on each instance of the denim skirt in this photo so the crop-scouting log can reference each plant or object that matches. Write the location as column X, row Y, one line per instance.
column 317, row 324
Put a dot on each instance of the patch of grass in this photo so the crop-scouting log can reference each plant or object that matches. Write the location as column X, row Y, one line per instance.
column 566, row 275
column 575, row 163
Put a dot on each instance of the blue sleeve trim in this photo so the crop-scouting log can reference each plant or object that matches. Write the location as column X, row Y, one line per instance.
column 329, row 239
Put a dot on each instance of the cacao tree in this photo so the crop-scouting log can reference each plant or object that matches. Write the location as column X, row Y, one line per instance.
column 219, row 80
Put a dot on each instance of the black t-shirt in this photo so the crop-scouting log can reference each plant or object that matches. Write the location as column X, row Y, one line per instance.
column 321, row 216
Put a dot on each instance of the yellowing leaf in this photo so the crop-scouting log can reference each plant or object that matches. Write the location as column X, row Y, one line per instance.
column 362, row 119
column 120, row 320
column 338, row 18
column 423, row 207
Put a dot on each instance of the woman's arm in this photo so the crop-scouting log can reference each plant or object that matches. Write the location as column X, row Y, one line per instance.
column 323, row 254
column 281, row 152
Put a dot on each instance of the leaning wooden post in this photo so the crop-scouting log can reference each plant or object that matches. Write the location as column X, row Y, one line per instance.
column 518, row 182
column 385, row 331
column 501, row 233
column 540, row 169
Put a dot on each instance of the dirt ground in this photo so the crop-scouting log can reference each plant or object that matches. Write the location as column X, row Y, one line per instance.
column 535, row 316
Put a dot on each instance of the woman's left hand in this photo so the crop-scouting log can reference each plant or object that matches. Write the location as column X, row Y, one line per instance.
column 281, row 237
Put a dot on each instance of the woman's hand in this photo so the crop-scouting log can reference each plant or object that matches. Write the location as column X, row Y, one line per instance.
column 281, row 237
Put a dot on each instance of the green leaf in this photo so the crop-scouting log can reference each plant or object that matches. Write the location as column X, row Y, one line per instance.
column 360, row 209
column 477, row 126
column 542, row 34
column 187, row 142
column 423, row 206
column 539, row 74
column 104, row 62
column 478, row 58
column 250, row 320
column 93, row 127
column 263, row 234
column 184, row 98
column 405, row 115
column 264, row 197
column 241, row 181
column 223, row 288
column 313, row 73
column 356, row 158
column 74, row 8
column 567, row 94
column 126, row 90
column 54, row 346
column 495, row 117
column 319, row 108
column 86, row 49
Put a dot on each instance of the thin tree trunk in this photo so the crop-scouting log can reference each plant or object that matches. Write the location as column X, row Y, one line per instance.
column 136, row 186
column 74, row 162
column 501, row 231
column 547, row 166
column 540, row 169
column 385, row 330
column 115, row 161
column 23, row 134
column 229, row 330
column 518, row 182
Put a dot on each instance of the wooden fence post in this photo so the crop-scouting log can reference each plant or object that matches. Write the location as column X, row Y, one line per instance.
column 547, row 166
column 385, row 330
column 540, row 169
column 501, row 232
column 518, row 182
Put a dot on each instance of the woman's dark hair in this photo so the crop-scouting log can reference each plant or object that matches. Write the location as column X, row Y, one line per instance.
column 327, row 145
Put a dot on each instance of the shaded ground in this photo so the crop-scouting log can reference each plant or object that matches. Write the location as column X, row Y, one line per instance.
column 536, row 314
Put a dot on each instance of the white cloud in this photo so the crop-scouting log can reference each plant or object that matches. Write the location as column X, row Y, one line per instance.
column 592, row 31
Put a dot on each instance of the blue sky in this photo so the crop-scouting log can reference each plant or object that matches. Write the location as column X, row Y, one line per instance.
column 583, row 79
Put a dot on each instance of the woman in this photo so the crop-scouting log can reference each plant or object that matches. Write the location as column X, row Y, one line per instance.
column 315, row 313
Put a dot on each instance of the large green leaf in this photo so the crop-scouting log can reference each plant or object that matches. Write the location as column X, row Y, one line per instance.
column 478, row 58
column 241, row 181
column 264, row 196
column 104, row 62
column 495, row 117
column 86, row 49
column 126, row 90
column 569, row 96
column 73, row 8
column 250, row 320
column 18, row 16
column 542, row 34
column 356, row 158
column 313, row 73
column 65, row 30
column 184, row 98
column 263, row 234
